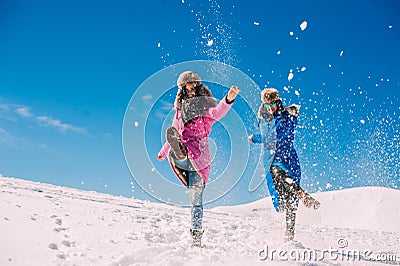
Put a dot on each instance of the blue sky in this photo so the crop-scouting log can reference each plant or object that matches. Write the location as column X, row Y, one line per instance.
column 68, row 70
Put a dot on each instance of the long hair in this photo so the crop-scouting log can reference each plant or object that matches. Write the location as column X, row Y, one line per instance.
column 195, row 106
column 279, row 105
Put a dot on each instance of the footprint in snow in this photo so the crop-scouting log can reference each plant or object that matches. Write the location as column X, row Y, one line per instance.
column 53, row 246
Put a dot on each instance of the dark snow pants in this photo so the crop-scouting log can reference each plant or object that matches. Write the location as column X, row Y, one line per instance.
column 287, row 190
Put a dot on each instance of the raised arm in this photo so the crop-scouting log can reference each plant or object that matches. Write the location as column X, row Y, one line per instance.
column 225, row 104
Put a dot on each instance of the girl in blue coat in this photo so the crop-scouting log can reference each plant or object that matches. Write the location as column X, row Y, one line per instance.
column 277, row 125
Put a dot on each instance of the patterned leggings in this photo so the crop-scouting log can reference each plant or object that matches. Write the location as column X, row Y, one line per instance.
column 287, row 190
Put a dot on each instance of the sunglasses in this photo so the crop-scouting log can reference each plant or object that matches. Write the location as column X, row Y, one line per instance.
column 272, row 104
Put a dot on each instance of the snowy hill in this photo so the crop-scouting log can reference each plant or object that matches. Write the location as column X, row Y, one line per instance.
column 42, row 224
column 369, row 208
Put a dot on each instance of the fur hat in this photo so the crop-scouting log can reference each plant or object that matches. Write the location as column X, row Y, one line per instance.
column 269, row 95
column 186, row 77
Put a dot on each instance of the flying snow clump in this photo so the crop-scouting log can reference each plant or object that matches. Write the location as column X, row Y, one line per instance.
column 303, row 25
column 290, row 76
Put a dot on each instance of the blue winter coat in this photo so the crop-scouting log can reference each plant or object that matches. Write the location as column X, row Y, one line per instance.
column 277, row 137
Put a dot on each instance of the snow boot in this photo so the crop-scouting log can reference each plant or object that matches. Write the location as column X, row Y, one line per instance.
column 196, row 237
column 307, row 200
column 174, row 141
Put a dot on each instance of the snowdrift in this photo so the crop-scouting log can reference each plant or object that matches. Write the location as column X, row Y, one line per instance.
column 368, row 208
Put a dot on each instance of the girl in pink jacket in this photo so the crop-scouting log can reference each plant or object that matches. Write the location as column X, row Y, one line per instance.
column 187, row 140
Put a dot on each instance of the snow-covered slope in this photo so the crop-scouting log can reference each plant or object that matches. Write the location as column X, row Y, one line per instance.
column 42, row 224
column 369, row 208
